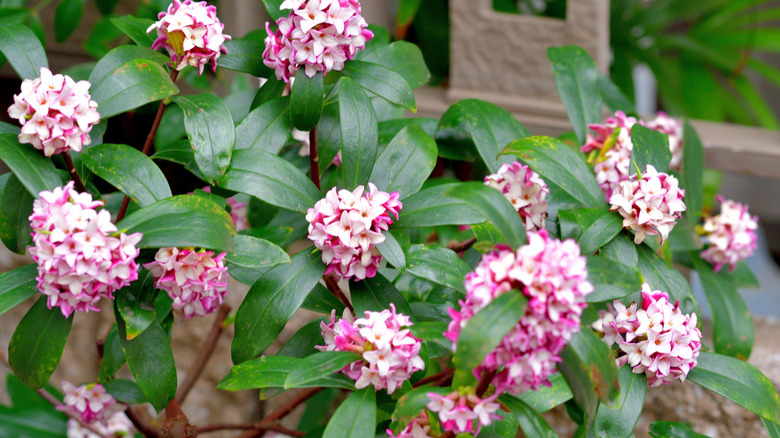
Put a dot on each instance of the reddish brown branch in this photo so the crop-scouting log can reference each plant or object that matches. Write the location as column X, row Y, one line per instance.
column 177, row 425
column 281, row 429
column 314, row 158
column 484, row 382
column 334, row 288
column 74, row 175
column 204, row 354
column 146, row 430
column 462, row 246
column 436, row 377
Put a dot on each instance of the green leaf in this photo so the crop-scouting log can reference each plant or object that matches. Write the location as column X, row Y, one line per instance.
column 411, row 404
column 121, row 55
column 311, row 369
column 619, row 420
column 589, row 368
column 650, row 148
column 381, row 81
column 495, row 208
column 321, row 300
column 611, row 279
column 600, row 232
column 211, row 132
column 67, row 17
column 431, row 207
column 270, row 178
column 183, row 220
column 272, row 6
column 431, row 333
column 130, row 85
column 732, row 327
column 113, row 356
column 621, row 249
column 613, row 97
column 267, row 127
column 15, row 208
column 125, row 391
column 136, row 304
column 546, row 398
column 437, row 264
column 743, row 277
column 17, row 285
column 24, row 420
column 390, row 128
column 245, row 56
column 773, row 429
column 135, row 28
column 271, row 89
column 530, row 421
column 692, row 173
column 355, row 417
column 37, row 343
column 36, row 172
column 404, row 58
column 576, row 78
column 7, row 128
column 106, row 7
column 252, row 252
column 671, row 429
column 662, row 277
column 391, row 251
column 406, row 162
column 263, row 372
column 23, row 50
column 485, row 330
column 179, row 152
column 150, row 360
column 271, row 302
column 489, row 126
column 358, row 129
column 306, row 99
column 739, row 382
column 302, row 343
column 129, row 170
column 407, row 9
column 559, row 164
column 376, row 294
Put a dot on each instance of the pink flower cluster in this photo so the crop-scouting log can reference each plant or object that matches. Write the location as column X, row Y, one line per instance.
column 56, row 113
column 347, row 226
column 118, row 426
column 91, row 402
column 390, row 353
column 730, row 236
column 419, row 427
column 525, row 189
column 553, row 276
column 658, row 339
column 650, row 204
column 191, row 33
column 80, row 254
column 319, row 35
column 613, row 141
column 195, row 280
column 463, row 411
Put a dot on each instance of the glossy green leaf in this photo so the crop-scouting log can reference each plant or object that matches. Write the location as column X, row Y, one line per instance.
column 252, row 252
column 431, row 333
column 135, row 304
column 600, row 232
column 37, row 343
column 411, row 404
column 121, row 55
column 17, row 285
column 270, row 178
column 311, row 369
column 263, row 372
column 129, row 170
column 211, row 132
column 406, row 162
column 135, row 28
column 31, row 416
column 36, row 172
column 376, row 294
column 67, row 17
column 179, row 152
column 692, row 175
column 113, row 356
column 619, row 420
column 390, row 128
column 437, row 264
column 489, row 126
column 302, row 343
column 404, row 58
column 662, row 277
column 671, row 429
column 355, row 417
column 651, row 147
column 381, row 81
column 576, row 78
column 559, row 164
column 321, row 300
column 432, row 207
column 271, row 302
column 613, row 97
column 7, row 128
column 125, row 391
column 530, row 421
column 183, row 220
column 306, row 99
column 773, row 429
column 739, row 382
column 494, row 208
column 271, row 89
column 358, row 130
column 392, row 252
column 621, row 249
column 548, row 397
column 23, row 50
column 407, row 9
column 611, row 279
column 743, row 277
column 267, row 127
column 245, row 56
column 15, row 209
column 132, row 84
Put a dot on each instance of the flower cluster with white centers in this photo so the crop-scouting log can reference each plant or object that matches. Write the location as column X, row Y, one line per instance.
column 195, row 280
column 80, row 254
column 318, row 35
column 730, row 236
column 390, row 353
column 463, row 411
column 525, row 189
column 650, row 204
column 90, row 402
column 191, row 33
column 56, row 113
column 347, row 226
column 553, row 276
column 658, row 339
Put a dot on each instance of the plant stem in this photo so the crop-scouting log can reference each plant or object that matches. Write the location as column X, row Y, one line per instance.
column 334, row 288
column 446, row 373
column 146, row 430
column 177, row 425
column 74, row 175
column 314, row 158
column 484, row 382
column 462, row 246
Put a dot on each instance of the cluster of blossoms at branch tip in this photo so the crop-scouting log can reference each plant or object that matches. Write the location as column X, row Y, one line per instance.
column 319, row 35
column 658, row 339
column 92, row 403
column 650, row 204
column 730, row 235
column 613, row 142
column 463, row 411
column 419, row 427
column 191, row 33
column 390, row 353
column 56, row 113
column 80, row 254
column 525, row 189
column 347, row 226
column 553, row 276
column 195, row 280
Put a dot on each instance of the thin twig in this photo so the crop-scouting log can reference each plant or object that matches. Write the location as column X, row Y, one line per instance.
column 462, row 246
column 204, row 354
column 74, row 175
column 146, row 430
column 314, row 158
column 334, row 288
column 438, row 376
column 281, row 429
column 484, row 382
